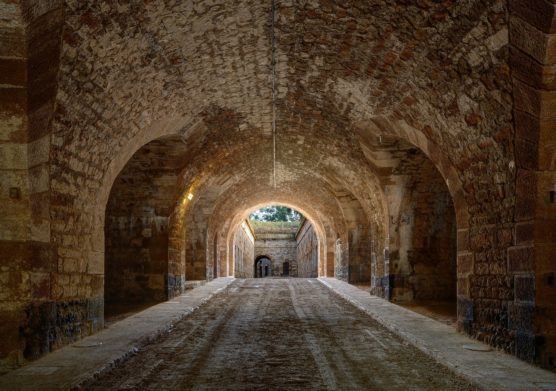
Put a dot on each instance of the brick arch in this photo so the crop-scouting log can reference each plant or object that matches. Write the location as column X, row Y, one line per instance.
column 532, row 37
column 400, row 129
column 177, row 254
column 169, row 126
column 306, row 210
column 261, row 256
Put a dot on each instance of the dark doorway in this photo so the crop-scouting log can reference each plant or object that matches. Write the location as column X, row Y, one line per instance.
column 263, row 267
column 286, row 268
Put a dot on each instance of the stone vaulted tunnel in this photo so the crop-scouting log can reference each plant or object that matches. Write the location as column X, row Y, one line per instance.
column 418, row 139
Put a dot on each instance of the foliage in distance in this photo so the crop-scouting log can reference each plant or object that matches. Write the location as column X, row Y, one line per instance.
column 276, row 213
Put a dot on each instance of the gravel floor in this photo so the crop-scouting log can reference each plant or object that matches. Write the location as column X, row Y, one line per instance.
column 279, row 334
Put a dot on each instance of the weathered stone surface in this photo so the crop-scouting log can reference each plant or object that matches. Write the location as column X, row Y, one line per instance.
column 307, row 256
column 539, row 45
column 521, row 259
column 531, row 72
column 538, row 13
column 524, row 288
column 244, row 252
column 386, row 115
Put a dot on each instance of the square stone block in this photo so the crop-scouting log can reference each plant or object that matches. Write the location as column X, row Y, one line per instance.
column 538, row 13
column 524, row 288
column 521, row 259
column 534, row 42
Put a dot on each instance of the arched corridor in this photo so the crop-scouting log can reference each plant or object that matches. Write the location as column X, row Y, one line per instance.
column 314, row 359
column 415, row 142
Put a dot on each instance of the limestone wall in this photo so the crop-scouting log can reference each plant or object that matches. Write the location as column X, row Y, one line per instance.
column 244, row 252
column 85, row 84
column 307, row 251
column 278, row 251
column 423, row 243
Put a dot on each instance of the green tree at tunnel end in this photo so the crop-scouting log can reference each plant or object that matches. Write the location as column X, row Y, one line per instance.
column 276, row 213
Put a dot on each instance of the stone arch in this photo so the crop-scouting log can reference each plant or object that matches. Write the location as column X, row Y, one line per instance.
column 136, row 224
column 310, row 215
column 401, row 129
column 227, row 213
column 170, row 126
column 260, row 270
column 383, row 126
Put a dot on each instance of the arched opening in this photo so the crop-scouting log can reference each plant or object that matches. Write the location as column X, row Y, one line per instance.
column 263, row 267
column 136, row 228
column 229, row 215
column 420, row 261
column 423, row 259
column 286, row 269
column 284, row 244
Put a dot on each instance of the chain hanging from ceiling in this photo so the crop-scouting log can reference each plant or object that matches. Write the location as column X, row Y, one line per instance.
column 273, row 70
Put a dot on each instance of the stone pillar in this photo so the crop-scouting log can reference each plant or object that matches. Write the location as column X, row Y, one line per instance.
column 532, row 315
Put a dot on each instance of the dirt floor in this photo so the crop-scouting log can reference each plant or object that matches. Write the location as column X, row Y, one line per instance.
column 278, row 334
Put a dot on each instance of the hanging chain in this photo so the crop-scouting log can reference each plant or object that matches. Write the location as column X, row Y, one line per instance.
column 273, row 66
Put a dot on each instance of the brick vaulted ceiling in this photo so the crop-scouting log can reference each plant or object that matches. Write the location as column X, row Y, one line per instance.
column 437, row 70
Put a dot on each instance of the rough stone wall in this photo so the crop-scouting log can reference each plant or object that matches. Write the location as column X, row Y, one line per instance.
column 33, row 322
column 136, row 230
column 244, row 252
column 435, row 74
column 196, row 249
column 423, row 243
column 360, row 255
column 136, row 257
column 307, row 254
column 278, row 250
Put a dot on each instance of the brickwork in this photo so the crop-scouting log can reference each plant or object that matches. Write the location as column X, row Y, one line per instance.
column 244, row 252
column 278, row 244
column 85, row 85
column 307, row 254
column 137, row 217
column 423, row 242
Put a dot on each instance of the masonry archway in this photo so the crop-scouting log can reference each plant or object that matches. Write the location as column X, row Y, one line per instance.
column 237, row 223
column 263, row 266
column 428, row 221
column 422, row 251
column 136, row 226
